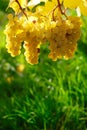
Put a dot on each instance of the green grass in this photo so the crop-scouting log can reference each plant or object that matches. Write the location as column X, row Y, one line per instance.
column 47, row 96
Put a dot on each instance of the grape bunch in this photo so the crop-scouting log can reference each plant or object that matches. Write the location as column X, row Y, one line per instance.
column 63, row 38
column 47, row 23
column 31, row 31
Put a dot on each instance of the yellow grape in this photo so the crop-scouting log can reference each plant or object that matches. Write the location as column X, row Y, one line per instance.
column 63, row 38
column 45, row 24
column 31, row 52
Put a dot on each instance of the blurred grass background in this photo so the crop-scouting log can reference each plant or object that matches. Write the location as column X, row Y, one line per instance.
column 46, row 96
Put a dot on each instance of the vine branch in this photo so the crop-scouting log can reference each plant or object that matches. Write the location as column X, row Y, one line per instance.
column 21, row 8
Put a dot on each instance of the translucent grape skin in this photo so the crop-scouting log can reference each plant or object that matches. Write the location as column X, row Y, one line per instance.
column 36, row 29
